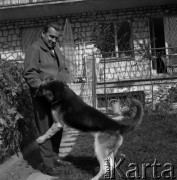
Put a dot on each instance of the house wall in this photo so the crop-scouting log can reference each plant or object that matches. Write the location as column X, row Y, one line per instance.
column 125, row 69
column 11, row 37
column 82, row 23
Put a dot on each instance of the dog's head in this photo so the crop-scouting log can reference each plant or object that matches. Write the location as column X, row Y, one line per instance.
column 52, row 89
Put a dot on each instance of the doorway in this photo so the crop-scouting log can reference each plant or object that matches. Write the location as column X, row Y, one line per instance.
column 157, row 36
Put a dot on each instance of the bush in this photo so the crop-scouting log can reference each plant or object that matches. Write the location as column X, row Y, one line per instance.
column 164, row 98
column 172, row 97
column 16, row 125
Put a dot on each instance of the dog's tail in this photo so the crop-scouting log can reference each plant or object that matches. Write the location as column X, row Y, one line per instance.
column 136, row 120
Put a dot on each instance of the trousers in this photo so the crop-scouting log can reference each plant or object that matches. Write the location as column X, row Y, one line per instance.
column 43, row 118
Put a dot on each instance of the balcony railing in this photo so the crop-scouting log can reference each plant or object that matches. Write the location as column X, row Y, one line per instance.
column 5, row 3
column 138, row 66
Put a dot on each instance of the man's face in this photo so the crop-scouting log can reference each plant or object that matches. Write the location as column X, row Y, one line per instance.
column 50, row 37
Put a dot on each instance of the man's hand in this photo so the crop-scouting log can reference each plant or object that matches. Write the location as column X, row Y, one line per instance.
column 40, row 140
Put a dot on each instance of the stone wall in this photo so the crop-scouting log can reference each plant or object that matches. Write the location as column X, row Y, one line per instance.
column 124, row 69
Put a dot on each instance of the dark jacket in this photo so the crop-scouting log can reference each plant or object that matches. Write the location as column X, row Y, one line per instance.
column 40, row 62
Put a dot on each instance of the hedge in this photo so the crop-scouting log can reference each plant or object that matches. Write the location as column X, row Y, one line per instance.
column 17, row 127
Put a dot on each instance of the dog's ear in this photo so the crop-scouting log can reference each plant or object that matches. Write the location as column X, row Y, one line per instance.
column 48, row 94
column 45, row 93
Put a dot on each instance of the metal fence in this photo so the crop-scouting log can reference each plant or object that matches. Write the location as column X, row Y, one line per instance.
column 143, row 75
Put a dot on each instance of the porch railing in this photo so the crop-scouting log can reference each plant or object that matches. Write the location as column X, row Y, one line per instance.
column 139, row 65
column 119, row 76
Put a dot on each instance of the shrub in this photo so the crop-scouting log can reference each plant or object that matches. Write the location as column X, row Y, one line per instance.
column 165, row 99
column 172, row 96
column 16, row 125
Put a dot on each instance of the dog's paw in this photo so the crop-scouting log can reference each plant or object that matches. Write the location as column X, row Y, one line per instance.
column 40, row 140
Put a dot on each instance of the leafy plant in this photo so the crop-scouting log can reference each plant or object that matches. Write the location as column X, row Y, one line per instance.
column 172, row 97
column 164, row 97
column 15, row 106
column 143, row 49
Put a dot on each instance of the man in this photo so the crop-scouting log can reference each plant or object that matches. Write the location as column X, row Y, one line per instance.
column 42, row 59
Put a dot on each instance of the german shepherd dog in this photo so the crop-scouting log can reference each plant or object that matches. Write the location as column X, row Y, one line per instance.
column 69, row 109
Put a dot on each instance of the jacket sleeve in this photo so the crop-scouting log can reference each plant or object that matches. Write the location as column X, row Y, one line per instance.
column 31, row 71
column 65, row 74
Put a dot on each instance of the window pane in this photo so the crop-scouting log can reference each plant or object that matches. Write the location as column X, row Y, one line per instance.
column 104, row 36
column 124, row 38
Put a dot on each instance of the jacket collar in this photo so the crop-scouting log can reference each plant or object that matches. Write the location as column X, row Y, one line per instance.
column 43, row 46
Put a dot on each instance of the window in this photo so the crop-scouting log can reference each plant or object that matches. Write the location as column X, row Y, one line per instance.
column 157, row 35
column 170, row 27
column 113, row 37
column 29, row 35
column 103, row 36
column 123, row 38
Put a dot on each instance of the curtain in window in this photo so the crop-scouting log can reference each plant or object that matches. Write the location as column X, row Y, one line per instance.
column 29, row 36
column 69, row 48
column 170, row 25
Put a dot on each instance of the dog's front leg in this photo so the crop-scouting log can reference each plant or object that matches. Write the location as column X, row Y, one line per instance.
column 56, row 126
column 53, row 129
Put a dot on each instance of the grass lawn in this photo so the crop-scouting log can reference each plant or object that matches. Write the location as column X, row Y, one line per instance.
column 155, row 139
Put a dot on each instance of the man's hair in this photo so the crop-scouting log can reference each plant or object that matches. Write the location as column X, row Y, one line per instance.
column 54, row 25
